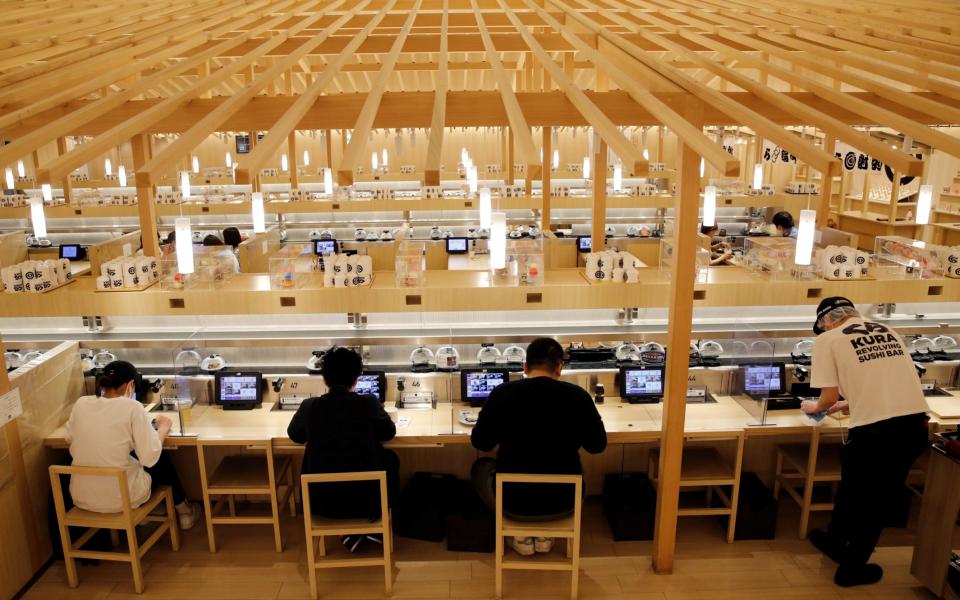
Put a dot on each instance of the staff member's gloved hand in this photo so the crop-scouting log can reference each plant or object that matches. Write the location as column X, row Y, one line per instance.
column 842, row 405
column 810, row 407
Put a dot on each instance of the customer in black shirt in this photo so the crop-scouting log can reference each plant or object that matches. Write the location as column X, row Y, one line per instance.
column 344, row 432
column 539, row 423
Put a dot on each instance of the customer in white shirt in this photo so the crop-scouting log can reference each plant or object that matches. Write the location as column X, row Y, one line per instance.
column 865, row 368
column 114, row 430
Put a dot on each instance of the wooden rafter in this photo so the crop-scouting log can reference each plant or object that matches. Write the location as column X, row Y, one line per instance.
column 431, row 171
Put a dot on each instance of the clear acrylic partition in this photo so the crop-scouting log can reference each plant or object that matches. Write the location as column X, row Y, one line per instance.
column 902, row 258
column 755, row 373
column 190, row 387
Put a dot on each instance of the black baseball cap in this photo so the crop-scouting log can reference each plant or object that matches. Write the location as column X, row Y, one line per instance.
column 825, row 306
column 116, row 374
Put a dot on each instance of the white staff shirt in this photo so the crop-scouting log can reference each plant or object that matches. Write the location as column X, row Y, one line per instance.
column 102, row 432
column 871, row 365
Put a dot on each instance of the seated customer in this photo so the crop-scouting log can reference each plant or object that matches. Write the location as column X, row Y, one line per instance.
column 540, row 423
column 232, row 237
column 213, row 241
column 114, row 430
column 783, row 221
column 720, row 253
column 343, row 432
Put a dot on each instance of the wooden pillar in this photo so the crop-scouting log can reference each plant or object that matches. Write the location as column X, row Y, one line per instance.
column 826, row 188
column 528, row 176
column 67, row 184
column 894, row 196
column 660, row 134
column 255, row 179
column 509, row 156
column 598, row 239
column 328, row 136
column 292, row 160
column 680, row 319
column 865, row 193
column 503, row 153
column 545, row 178
column 146, row 196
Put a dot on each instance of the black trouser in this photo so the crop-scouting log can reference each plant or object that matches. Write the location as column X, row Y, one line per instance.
column 874, row 464
column 357, row 499
column 483, row 474
column 164, row 473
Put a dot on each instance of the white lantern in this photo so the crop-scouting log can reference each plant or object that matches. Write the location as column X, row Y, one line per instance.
column 646, row 154
column 184, row 245
column 11, row 183
column 556, row 159
column 464, row 157
column 586, row 167
column 21, row 170
column 37, row 216
column 185, row 184
column 107, row 167
column 709, row 206
column 924, row 204
column 703, row 167
column 473, row 179
column 758, row 177
column 259, row 219
column 374, row 161
column 196, row 164
column 498, row 240
column 328, row 180
column 284, row 162
column 228, row 159
column 122, row 175
column 486, row 208
column 804, row 250
column 383, row 158
column 306, row 158
column 617, row 177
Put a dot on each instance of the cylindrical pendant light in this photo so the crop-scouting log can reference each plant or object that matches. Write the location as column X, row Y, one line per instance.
column 924, row 204
column 21, row 170
column 37, row 216
column 195, row 163
column 107, row 167
column 709, row 206
column 384, row 159
column 306, row 158
column 11, row 182
column 703, row 167
column 464, row 157
column 122, row 175
column 184, row 244
column 586, row 167
column 498, row 240
column 374, row 160
column 804, row 250
column 228, row 159
column 646, row 154
column 472, row 179
column 758, row 177
column 486, row 208
column 185, row 184
column 556, row 159
column 259, row 219
column 284, row 162
column 328, row 180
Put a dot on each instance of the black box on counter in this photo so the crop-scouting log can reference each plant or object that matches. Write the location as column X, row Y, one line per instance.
column 630, row 504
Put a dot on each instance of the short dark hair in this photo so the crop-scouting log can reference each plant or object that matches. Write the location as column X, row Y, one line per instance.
column 544, row 353
column 706, row 229
column 171, row 238
column 231, row 236
column 341, row 367
column 783, row 219
column 116, row 375
column 212, row 240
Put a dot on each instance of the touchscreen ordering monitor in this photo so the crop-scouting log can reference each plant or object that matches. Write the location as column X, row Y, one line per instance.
column 239, row 390
column 72, row 251
column 321, row 247
column 764, row 380
column 373, row 383
column 457, row 245
column 584, row 243
column 476, row 384
column 641, row 384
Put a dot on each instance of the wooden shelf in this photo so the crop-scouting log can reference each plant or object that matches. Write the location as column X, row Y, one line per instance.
column 247, row 294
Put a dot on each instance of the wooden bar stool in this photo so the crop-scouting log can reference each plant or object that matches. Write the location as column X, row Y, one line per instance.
column 127, row 521
column 245, row 474
column 811, row 464
column 567, row 528
column 705, row 467
column 316, row 527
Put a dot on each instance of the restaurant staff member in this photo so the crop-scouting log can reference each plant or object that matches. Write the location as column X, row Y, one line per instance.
column 720, row 252
column 783, row 221
column 868, row 365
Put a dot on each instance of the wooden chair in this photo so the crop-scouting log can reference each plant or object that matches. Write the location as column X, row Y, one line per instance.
column 245, row 474
column 704, row 467
column 811, row 464
column 567, row 528
column 316, row 527
column 127, row 521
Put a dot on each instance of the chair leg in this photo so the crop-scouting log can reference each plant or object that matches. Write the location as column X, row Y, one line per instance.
column 498, row 567
column 321, row 547
column 211, row 540
column 312, row 565
column 232, row 504
column 291, row 491
column 114, row 537
column 575, row 566
column 275, row 509
column 172, row 522
column 69, row 562
column 776, row 477
column 387, row 561
column 135, row 565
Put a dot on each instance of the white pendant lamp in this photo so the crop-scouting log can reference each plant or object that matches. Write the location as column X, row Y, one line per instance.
column 122, row 175
column 804, row 250
column 185, row 185
column 328, row 180
column 21, row 170
column 486, row 208
column 498, row 240
column 924, row 204
column 11, row 182
column 306, row 158
column 184, row 244
column 473, row 179
column 37, row 215
column 703, row 167
column 259, row 218
column 464, row 157
column 284, row 162
column 195, row 163
column 586, row 167
column 374, row 161
column 709, row 206
column 228, row 159
column 107, row 167
column 617, row 177
column 758, row 177
column 646, row 154
column 384, row 159
column 556, row 159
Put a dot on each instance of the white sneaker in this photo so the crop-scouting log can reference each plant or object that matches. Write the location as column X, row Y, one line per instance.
column 543, row 544
column 188, row 513
column 523, row 546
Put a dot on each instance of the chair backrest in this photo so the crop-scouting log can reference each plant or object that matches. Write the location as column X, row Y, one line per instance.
column 120, row 474
column 575, row 480
column 265, row 444
column 307, row 479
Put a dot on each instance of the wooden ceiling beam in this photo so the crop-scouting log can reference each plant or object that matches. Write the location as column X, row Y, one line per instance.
column 431, row 170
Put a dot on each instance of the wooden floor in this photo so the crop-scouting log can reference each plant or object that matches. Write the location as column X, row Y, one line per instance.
column 246, row 567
